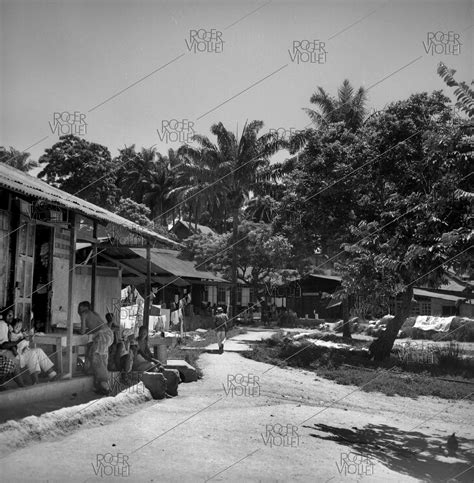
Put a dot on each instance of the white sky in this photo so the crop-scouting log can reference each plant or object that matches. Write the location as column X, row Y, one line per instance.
column 73, row 55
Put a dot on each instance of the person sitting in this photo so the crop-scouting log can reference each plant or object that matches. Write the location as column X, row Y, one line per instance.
column 145, row 362
column 17, row 333
column 7, row 371
column 34, row 359
column 8, row 351
column 124, row 355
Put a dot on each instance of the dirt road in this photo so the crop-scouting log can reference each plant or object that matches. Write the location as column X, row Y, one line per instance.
column 248, row 421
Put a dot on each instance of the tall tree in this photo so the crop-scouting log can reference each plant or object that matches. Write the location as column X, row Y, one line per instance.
column 261, row 257
column 397, row 196
column 159, row 187
column 464, row 94
column 229, row 170
column 134, row 171
column 82, row 168
column 18, row 159
column 133, row 211
column 348, row 107
column 148, row 177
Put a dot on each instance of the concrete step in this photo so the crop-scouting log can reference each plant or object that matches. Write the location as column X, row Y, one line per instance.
column 187, row 371
column 43, row 391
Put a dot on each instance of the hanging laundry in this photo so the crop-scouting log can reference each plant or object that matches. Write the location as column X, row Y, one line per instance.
column 174, row 317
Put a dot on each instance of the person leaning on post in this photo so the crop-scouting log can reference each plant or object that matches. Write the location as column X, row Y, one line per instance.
column 98, row 353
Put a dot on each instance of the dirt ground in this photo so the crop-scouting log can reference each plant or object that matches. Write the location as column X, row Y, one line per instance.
column 249, row 421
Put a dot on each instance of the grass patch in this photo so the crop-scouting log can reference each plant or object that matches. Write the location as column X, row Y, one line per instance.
column 461, row 330
column 351, row 366
column 394, row 382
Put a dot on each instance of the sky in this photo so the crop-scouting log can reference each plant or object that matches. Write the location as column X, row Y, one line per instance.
column 119, row 72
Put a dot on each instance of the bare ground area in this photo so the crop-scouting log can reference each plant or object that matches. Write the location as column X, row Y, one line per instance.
column 337, row 433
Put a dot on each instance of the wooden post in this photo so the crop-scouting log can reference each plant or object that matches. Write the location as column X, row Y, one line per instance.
column 70, row 308
column 146, row 308
column 94, row 266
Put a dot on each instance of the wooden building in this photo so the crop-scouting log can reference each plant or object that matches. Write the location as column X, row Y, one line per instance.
column 184, row 229
column 41, row 230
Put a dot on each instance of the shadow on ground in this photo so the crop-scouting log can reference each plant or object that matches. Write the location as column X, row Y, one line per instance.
column 212, row 351
column 408, row 453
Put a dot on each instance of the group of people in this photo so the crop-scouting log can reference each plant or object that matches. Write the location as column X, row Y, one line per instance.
column 17, row 358
column 114, row 350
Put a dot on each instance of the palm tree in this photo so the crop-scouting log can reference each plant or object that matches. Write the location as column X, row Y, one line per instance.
column 160, row 183
column 260, row 208
column 17, row 159
column 224, row 173
column 135, row 172
column 349, row 107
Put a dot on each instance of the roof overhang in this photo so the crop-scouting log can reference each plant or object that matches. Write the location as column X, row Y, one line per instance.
column 34, row 188
column 426, row 293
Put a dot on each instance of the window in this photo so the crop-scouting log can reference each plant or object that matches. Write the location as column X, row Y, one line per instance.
column 239, row 296
column 448, row 310
column 421, row 307
column 424, row 305
column 210, row 294
column 221, row 299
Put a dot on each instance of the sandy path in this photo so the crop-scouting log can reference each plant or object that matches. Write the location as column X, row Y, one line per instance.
column 205, row 431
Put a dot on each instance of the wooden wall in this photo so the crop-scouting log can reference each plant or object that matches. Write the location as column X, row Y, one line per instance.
column 109, row 284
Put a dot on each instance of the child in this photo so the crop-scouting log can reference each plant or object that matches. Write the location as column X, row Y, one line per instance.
column 18, row 334
column 34, row 359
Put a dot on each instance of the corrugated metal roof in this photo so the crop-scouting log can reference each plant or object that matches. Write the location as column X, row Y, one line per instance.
column 21, row 182
column 426, row 293
column 135, row 280
column 326, row 277
column 205, row 230
column 168, row 260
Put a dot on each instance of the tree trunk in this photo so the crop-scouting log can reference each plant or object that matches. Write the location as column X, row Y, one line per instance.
column 196, row 218
column 233, row 290
column 381, row 347
column 346, row 329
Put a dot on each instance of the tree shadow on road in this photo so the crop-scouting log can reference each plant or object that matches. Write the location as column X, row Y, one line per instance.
column 409, row 453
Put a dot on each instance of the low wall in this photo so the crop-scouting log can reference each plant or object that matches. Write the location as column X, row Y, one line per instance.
column 43, row 392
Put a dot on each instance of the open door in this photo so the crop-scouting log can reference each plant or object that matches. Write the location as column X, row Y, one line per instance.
column 60, row 277
column 25, row 258
column 43, row 282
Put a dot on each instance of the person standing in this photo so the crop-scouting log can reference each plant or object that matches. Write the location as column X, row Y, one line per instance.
column 220, row 322
column 99, row 349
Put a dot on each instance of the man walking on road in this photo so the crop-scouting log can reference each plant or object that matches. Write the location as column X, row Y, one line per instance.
column 220, row 322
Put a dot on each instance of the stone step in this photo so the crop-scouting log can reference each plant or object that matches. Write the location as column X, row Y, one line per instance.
column 187, row 371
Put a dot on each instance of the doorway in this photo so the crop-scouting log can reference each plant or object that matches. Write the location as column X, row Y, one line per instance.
column 42, row 279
